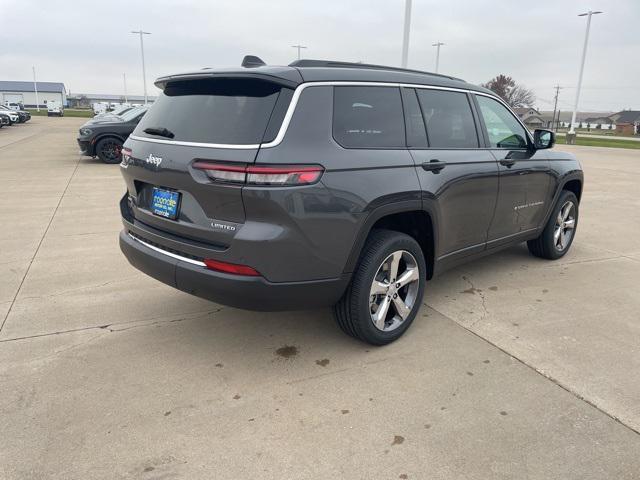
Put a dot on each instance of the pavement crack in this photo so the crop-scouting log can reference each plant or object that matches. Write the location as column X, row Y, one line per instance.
column 473, row 289
column 540, row 372
column 55, row 211
column 113, row 327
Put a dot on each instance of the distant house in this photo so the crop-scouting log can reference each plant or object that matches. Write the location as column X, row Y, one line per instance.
column 627, row 122
column 530, row 117
column 25, row 93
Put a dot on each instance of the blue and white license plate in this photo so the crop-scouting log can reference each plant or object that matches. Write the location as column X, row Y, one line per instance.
column 165, row 203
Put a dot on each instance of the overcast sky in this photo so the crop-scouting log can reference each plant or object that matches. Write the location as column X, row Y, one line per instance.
column 87, row 44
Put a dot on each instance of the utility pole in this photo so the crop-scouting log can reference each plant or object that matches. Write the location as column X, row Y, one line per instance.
column 584, row 55
column 299, row 47
column 35, row 88
column 124, row 78
column 555, row 106
column 405, row 34
column 144, row 73
column 437, row 45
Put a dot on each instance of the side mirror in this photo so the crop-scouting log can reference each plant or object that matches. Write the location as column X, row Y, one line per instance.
column 543, row 138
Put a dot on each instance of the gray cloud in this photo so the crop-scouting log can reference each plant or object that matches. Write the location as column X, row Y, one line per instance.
column 87, row 44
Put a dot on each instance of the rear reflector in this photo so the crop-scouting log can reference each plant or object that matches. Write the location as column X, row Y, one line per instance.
column 230, row 268
column 262, row 175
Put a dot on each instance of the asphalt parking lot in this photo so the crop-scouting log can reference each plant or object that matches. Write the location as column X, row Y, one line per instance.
column 515, row 368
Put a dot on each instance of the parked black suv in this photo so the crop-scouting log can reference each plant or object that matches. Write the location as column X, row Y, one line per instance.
column 324, row 183
column 103, row 136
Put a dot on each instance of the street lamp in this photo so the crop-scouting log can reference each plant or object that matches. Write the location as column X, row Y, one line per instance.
column 299, row 47
column 584, row 54
column 437, row 45
column 144, row 73
column 405, row 33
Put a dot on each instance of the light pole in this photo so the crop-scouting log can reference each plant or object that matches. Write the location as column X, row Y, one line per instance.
column 35, row 88
column 124, row 78
column 144, row 73
column 584, row 55
column 437, row 45
column 405, row 34
column 299, row 47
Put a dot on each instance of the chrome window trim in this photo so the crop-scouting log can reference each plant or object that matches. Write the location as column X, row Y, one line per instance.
column 294, row 103
column 169, row 254
column 196, row 144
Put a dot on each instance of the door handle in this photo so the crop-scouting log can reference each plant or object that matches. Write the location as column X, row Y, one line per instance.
column 507, row 162
column 434, row 165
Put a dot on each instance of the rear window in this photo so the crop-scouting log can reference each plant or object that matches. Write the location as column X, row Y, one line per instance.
column 368, row 117
column 223, row 111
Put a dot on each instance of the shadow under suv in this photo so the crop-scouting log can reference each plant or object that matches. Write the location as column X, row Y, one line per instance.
column 333, row 184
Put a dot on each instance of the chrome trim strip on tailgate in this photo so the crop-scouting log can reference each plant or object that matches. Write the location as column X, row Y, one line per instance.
column 169, row 254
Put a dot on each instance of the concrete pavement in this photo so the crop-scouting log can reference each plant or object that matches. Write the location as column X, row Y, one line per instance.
column 516, row 367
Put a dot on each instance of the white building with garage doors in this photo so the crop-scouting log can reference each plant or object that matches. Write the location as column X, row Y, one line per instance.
column 25, row 93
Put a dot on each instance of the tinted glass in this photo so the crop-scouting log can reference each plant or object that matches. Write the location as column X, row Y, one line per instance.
column 449, row 119
column 133, row 113
column 368, row 117
column 416, row 133
column 503, row 128
column 224, row 111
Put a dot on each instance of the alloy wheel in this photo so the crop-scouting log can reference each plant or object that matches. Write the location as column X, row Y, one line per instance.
column 565, row 226
column 394, row 290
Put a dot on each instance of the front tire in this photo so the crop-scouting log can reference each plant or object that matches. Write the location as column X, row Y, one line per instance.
column 556, row 238
column 109, row 150
column 386, row 289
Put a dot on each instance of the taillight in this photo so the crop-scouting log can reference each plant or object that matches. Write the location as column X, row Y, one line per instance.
column 262, row 174
column 230, row 268
column 126, row 155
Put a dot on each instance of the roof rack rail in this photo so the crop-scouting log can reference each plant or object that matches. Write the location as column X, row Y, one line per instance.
column 338, row 64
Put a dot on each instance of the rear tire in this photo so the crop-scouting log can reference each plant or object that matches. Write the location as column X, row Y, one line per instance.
column 386, row 289
column 556, row 238
column 109, row 150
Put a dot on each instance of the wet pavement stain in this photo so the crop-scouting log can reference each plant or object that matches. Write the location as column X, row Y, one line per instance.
column 493, row 289
column 404, row 476
column 427, row 426
column 397, row 440
column 236, row 397
column 149, row 469
column 166, row 414
column 344, row 412
column 486, row 361
column 470, row 374
column 545, row 291
column 503, row 413
column 219, row 365
column 323, row 363
column 287, row 351
column 471, row 291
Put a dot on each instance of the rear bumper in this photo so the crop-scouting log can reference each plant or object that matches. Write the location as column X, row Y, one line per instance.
column 249, row 293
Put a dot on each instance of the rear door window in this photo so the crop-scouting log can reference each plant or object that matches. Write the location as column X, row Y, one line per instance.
column 448, row 118
column 219, row 111
column 368, row 117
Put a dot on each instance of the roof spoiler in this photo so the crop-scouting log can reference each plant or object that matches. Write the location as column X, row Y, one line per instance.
column 251, row 61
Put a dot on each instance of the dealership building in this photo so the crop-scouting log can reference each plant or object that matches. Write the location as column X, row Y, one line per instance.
column 25, row 93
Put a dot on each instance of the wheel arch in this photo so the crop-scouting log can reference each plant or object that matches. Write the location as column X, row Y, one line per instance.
column 407, row 217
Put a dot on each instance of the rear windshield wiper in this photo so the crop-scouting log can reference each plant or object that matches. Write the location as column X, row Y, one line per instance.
column 162, row 132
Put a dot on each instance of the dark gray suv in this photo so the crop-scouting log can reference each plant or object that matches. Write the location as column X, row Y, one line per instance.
column 333, row 184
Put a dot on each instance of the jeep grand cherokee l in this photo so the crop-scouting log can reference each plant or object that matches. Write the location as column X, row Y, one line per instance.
column 331, row 184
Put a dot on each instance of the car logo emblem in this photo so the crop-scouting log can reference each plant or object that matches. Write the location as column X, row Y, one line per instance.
column 152, row 160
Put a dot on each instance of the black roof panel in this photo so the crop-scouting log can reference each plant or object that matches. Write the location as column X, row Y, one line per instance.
column 328, row 71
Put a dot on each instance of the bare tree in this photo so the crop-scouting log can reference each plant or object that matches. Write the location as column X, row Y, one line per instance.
column 512, row 93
